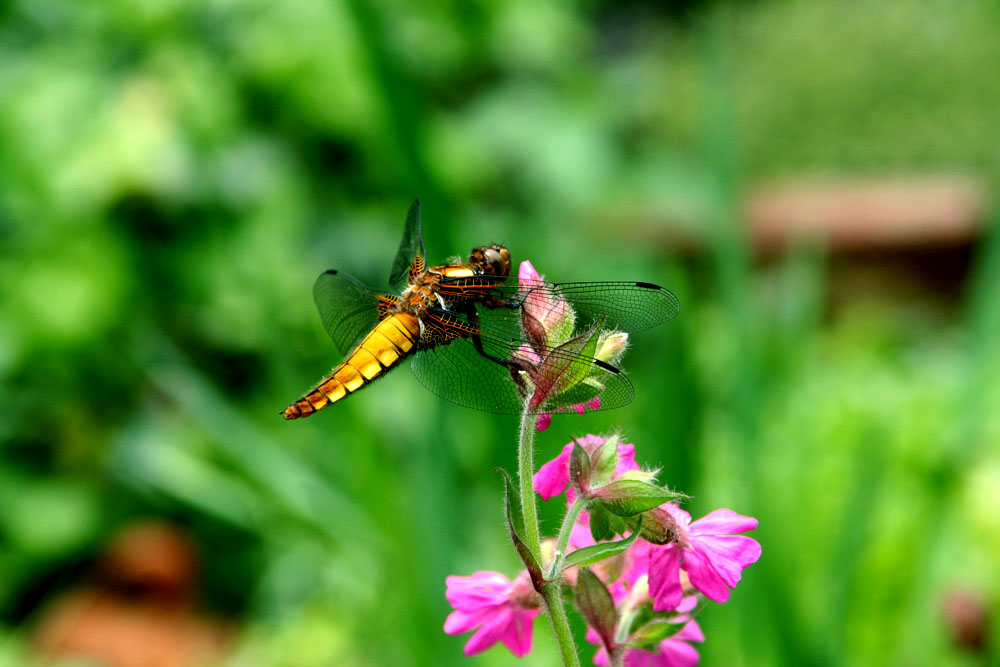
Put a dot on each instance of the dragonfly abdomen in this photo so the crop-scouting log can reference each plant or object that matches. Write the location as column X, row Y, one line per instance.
column 389, row 342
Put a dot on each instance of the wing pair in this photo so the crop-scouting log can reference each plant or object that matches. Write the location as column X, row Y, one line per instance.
column 449, row 363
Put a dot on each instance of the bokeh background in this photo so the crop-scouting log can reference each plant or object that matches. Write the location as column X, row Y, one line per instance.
column 814, row 179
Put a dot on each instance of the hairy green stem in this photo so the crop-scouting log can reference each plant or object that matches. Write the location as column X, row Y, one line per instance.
column 525, row 472
column 564, row 533
column 551, row 591
column 560, row 624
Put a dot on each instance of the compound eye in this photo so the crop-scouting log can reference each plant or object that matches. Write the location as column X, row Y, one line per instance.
column 494, row 259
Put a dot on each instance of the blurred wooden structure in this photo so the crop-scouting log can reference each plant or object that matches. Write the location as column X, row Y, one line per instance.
column 139, row 608
column 867, row 215
column 901, row 239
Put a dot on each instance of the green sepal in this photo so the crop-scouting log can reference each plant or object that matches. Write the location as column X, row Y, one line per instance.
column 515, row 525
column 626, row 497
column 596, row 605
column 603, row 524
column 561, row 330
column 601, row 551
column 651, row 634
column 566, row 366
column 604, row 461
column 580, row 393
column 585, row 347
column 653, row 532
column 579, row 468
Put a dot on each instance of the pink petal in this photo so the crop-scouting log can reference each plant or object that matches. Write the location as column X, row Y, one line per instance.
column 665, row 578
column 637, row 561
column 715, row 564
column 723, row 522
column 680, row 516
column 671, row 652
column 677, row 653
column 580, row 536
column 688, row 604
column 525, row 353
column 691, row 631
column 517, row 636
column 553, row 477
column 526, row 271
column 594, row 403
column 638, row 657
column 460, row 621
column 491, row 631
column 728, row 553
column 626, row 459
column 601, row 657
column 543, row 420
column 590, row 442
column 479, row 589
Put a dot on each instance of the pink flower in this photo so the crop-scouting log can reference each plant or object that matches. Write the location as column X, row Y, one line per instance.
column 502, row 610
column 712, row 556
column 553, row 477
column 542, row 309
column 673, row 651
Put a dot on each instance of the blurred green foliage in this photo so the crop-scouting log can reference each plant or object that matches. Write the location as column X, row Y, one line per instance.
column 174, row 175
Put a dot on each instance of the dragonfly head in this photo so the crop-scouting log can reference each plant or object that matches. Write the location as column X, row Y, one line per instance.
column 492, row 260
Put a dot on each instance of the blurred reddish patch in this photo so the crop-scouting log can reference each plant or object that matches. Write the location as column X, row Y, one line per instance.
column 139, row 609
column 967, row 618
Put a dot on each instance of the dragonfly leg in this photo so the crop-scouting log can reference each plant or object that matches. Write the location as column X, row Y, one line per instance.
column 512, row 303
column 477, row 343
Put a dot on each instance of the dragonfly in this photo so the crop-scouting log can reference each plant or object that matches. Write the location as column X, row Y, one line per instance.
column 466, row 329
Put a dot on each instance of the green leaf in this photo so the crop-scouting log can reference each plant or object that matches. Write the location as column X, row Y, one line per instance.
column 600, row 523
column 599, row 552
column 596, row 605
column 515, row 525
column 626, row 497
column 603, row 524
column 512, row 501
column 579, row 468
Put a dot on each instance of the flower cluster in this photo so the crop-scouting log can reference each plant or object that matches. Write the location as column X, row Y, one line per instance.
column 554, row 375
column 650, row 566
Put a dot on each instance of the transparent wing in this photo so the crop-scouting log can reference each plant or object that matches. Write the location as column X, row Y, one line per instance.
column 625, row 305
column 411, row 250
column 463, row 374
column 348, row 308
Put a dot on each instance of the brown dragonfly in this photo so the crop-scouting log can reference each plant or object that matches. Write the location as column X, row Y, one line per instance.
column 464, row 325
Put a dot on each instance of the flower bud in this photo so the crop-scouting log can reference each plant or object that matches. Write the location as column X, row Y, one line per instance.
column 611, row 346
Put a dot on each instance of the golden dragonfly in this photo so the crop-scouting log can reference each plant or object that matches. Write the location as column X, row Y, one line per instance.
column 471, row 331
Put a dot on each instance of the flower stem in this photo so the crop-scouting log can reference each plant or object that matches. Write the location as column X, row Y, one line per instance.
column 525, row 472
column 551, row 591
column 560, row 624
column 564, row 533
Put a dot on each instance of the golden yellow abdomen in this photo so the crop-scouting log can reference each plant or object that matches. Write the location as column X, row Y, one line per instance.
column 389, row 342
